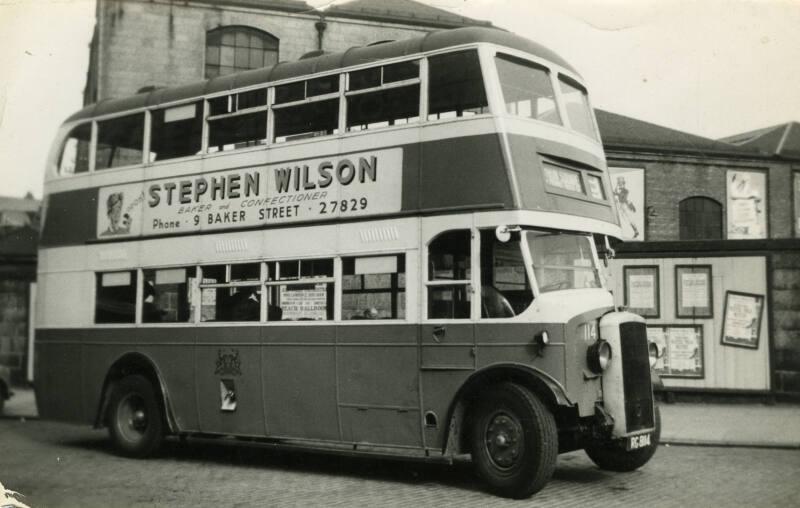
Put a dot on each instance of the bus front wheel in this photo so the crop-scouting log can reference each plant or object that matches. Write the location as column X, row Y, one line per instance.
column 135, row 420
column 514, row 441
column 613, row 457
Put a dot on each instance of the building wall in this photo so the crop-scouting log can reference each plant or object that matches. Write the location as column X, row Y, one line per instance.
column 670, row 178
column 14, row 324
column 723, row 367
column 786, row 320
column 155, row 43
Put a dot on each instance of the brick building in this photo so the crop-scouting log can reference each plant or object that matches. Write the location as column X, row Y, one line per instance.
column 717, row 222
column 19, row 222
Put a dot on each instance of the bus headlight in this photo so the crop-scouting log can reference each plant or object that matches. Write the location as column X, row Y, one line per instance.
column 652, row 349
column 598, row 356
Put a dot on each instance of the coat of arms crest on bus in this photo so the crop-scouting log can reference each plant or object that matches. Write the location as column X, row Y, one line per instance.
column 228, row 363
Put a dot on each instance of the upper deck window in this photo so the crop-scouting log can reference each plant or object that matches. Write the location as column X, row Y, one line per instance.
column 237, row 120
column 455, row 86
column 306, row 109
column 527, row 89
column 576, row 103
column 176, row 132
column 383, row 96
column 74, row 156
column 120, row 141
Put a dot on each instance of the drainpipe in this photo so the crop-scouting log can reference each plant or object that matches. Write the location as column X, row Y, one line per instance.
column 320, row 25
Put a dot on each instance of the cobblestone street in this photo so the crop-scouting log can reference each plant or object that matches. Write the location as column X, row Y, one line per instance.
column 65, row 465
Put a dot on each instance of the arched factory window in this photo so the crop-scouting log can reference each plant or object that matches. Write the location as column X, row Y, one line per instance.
column 238, row 48
column 700, row 219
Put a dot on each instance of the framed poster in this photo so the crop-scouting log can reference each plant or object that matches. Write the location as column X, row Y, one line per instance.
column 747, row 204
column 693, row 291
column 682, row 350
column 627, row 185
column 741, row 325
column 641, row 288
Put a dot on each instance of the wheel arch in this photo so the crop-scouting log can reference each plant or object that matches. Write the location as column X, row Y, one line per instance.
column 541, row 384
column 129, row 364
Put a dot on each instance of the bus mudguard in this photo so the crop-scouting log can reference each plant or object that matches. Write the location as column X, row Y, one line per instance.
column 551, row 392
column 135, row 363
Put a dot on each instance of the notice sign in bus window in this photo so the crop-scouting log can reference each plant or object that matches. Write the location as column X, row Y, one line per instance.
column 350, row 185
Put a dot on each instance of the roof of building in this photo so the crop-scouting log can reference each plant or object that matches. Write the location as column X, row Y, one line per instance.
column 624, row 133
column 402, row 11
column 26, row 204
column 782, row 140
column 439, row 39
column 274, row 5
column 407, row 12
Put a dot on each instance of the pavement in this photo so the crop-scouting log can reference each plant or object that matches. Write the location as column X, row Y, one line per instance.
column 683, row 423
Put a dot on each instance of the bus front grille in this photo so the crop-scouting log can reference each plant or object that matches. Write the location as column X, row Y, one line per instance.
column 636, row 376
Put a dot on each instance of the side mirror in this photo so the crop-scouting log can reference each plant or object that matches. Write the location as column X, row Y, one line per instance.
column 504, row 233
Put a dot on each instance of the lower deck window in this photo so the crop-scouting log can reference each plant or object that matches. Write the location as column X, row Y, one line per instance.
column 115, row 300
column 166, row 295
column 231, row 292
column 300, row 290
column 373, row 287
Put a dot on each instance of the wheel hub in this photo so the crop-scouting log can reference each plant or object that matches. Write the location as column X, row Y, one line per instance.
column 504, row 440
column 133, row 418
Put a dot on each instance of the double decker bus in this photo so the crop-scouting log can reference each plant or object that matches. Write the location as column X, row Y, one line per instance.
column 395, row 250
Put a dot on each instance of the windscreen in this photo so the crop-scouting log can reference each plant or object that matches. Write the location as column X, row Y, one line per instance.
column 562, row 261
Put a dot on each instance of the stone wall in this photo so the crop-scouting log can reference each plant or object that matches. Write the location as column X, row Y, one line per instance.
column 785, row 296
column 163, row 44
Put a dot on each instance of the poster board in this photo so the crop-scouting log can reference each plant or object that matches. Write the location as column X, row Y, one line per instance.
column 693, row 291
column 682, row 350
column 741, row 325
column 746, row 204
column 627, row 185
column 641, row 289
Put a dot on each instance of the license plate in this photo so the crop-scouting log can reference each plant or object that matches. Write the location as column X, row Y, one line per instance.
column 637, row 442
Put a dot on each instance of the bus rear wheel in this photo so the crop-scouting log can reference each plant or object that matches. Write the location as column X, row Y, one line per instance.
column 514, row 441
column 135, row 419
column 613, row 457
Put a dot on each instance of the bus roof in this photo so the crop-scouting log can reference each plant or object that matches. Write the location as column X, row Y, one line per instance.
column 431, row 41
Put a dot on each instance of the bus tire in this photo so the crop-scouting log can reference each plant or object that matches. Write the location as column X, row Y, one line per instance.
column 612, row 457
column 514, row 441
column 135, row 422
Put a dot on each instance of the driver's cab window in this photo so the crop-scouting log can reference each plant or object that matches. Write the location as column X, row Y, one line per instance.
column 449, row 273
column 505, row 288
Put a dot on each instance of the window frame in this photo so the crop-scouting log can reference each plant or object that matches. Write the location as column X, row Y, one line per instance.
column 583, row 172
column 233, row 28
column 549, row 72
column 694, row 199
column 384, row 86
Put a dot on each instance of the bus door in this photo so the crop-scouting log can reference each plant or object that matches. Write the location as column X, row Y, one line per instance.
column 228, row 366
column 447, row 340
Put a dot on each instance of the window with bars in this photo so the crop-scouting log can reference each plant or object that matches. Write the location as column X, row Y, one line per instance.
column 232, row 49
column 700, row 219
